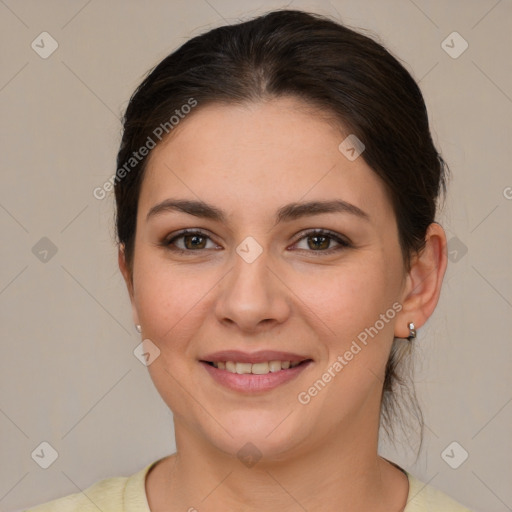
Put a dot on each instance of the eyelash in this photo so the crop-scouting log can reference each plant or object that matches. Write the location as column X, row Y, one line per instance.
column 343, row 244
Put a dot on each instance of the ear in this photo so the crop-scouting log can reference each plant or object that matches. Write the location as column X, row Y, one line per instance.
column 423, row 283
column 128, row 279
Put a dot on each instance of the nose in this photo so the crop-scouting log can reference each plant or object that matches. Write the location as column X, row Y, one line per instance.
column 252, row 297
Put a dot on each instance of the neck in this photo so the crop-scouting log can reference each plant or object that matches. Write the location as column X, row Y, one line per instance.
column 346, row 471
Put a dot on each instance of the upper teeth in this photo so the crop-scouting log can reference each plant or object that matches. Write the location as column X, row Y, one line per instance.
column 256, row 368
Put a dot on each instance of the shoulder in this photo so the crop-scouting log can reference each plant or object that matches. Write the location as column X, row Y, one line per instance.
column 425, row 498
column 106, row 495
column 117, row 494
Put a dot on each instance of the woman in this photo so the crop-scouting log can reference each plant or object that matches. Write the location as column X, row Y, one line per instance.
column 276, row 194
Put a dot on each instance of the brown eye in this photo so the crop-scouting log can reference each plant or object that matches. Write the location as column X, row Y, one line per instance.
column 321, row 241
column 318, row 242
column 194, row 241
column 189, row 241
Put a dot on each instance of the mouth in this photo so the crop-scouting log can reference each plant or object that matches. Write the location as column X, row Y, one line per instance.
column 259, row 368
column 254, row 373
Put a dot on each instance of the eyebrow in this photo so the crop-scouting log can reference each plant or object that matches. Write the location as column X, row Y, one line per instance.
column 288, row 212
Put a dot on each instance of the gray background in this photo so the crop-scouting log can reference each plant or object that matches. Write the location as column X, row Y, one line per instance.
column 68, row 375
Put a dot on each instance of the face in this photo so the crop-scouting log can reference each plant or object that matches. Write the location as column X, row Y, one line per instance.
column 256, row 275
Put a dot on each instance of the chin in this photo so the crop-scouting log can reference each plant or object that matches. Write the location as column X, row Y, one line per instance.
column 256, row 434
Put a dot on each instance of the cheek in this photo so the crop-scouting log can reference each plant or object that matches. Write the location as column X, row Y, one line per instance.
column 161, row 304
column 171, row 301
column 171, row 309
column 354, row 308
column 356, row 303
column 349, row 298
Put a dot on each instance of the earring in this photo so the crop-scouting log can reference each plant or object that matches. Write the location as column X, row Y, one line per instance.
column 412, row 331
column 138, row 327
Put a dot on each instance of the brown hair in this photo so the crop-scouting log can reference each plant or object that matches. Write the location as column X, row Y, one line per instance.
column 327, row 65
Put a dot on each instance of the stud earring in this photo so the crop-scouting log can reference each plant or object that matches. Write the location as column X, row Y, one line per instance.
column 412, row 331
column 138, row 327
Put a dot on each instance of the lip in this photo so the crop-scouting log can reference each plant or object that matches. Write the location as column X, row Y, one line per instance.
column 251, row 383
column 260, row 356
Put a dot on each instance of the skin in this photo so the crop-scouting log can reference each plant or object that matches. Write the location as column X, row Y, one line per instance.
column 249, row 160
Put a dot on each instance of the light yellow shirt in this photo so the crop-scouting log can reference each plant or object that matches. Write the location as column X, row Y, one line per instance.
column 128, row 494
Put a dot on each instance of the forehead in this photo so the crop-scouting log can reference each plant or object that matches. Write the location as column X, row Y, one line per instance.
column 259, row 155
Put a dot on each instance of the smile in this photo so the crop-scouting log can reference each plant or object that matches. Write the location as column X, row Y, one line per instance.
column 254, row 377
column 261, row 368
